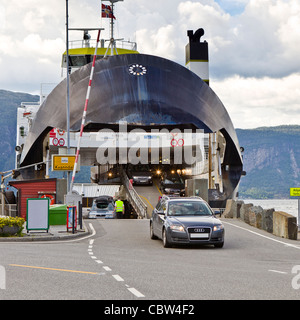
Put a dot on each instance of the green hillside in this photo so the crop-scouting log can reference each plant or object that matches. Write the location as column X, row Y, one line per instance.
column 271, row 160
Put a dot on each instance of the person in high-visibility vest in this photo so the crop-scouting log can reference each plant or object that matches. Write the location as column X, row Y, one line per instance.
column 119, row 208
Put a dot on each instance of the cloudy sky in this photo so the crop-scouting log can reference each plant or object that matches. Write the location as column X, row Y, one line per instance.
column 253, row 46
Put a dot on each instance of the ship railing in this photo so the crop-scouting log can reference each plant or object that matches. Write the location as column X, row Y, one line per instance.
column 121, row 44
column 25, row 104
column 137, row 203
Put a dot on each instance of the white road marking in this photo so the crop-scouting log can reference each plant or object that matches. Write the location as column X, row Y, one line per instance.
column 263, row 236
column 276, row 271
column 99, row 261
column 136, row 292
column 91, row 253
column 117, row 277
column 93, row 257
column 92, row 240
column 107, row 268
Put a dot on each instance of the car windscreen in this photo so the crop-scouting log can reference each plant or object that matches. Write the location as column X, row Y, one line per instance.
column 173, row 180
column 102, row 206
column 188, row 208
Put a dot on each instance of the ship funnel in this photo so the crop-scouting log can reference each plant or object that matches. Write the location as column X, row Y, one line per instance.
column 196, row 54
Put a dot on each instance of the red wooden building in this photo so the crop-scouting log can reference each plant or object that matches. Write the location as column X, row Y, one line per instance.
column 51, row 188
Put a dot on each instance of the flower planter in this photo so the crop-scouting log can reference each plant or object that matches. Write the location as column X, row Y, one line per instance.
column 6, row 230
column 10, row 226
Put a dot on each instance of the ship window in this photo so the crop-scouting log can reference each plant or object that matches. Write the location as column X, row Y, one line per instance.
column 22, row 131
column 80, row 61
column 77, row 61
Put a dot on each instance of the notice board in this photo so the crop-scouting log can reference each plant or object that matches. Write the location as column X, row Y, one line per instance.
column 37, row 217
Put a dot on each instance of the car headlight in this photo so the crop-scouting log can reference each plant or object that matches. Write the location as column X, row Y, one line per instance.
column 177, row 228
column 218, row 227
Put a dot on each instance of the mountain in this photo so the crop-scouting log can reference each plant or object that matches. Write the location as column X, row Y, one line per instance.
column 9, row 102
column 271, row 156
column 271, row 160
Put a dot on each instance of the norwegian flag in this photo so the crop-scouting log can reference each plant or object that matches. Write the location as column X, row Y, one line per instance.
column 107, row 12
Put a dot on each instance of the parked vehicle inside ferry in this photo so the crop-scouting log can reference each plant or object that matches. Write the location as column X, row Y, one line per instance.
column 103, row 207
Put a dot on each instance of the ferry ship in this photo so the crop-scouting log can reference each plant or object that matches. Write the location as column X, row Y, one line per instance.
column 144, row 91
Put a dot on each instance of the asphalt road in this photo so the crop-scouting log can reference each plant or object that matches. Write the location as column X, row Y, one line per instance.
column 120, row 262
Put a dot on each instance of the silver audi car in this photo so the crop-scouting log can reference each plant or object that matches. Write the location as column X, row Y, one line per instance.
column 185, row 221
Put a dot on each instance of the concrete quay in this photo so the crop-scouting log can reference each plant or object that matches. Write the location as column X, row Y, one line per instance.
column 278, row 223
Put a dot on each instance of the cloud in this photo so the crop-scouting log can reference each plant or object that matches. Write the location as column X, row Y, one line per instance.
column 253, row 102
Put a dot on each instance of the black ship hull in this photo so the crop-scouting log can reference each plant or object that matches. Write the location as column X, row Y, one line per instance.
column 145, row 91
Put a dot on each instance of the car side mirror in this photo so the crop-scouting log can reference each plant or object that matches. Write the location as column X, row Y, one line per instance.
column 217, row 212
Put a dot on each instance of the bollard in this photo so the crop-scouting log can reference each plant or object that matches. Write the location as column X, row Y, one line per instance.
column 73, row 220
column 80, row 214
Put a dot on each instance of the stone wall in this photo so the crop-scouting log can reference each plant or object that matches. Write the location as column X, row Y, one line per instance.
column 278, row 223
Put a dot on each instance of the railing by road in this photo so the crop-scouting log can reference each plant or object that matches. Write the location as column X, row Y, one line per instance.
column 137, row 203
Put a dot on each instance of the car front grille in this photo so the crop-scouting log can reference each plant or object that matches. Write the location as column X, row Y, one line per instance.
column 199, row 233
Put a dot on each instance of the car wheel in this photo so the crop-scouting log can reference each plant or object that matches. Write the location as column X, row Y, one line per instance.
column 219, row 245
column 152, row 235
column 166, row 243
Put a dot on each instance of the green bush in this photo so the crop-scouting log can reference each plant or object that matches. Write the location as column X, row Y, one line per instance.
column 10, row 222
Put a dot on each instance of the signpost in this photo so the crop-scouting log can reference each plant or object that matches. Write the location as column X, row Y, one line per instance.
column 295, row 192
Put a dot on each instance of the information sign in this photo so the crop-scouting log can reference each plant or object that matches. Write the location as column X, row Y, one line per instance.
column 72, row 218
column 64, row 162
column 295, row 192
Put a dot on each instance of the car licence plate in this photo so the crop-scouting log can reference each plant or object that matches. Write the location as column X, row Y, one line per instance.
column 199, row 235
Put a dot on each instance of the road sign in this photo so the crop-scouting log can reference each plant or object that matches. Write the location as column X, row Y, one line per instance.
column 55, row 141
column 295, row 192
column 63, row 162
column 61, row 142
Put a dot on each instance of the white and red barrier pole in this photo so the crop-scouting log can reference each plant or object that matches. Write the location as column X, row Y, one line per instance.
column 84, row 112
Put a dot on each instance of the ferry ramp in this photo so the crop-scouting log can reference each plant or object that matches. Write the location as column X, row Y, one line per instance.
column 149, row 195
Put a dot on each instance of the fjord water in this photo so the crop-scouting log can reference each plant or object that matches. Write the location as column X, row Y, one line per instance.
column 286, row 205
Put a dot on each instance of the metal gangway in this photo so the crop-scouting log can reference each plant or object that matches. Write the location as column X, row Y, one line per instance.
column 132, row 196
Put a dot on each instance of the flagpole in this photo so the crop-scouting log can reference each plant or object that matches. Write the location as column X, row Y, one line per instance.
column 112, row 29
